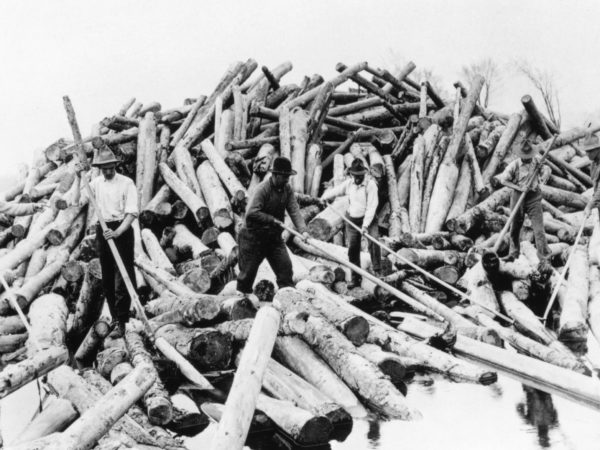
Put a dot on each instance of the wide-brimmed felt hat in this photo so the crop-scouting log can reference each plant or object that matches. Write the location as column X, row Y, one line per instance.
column 357, row 167
column 527, row 150
column 282, row 166
column 591, row 143
column 104, row 156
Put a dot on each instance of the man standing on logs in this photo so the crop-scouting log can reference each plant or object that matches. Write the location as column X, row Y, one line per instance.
column 116, row 197
column 260, row 237
column 516, row 176
column 361, row 190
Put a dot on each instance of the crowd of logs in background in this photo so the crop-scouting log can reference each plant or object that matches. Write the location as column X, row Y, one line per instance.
column 195, row 168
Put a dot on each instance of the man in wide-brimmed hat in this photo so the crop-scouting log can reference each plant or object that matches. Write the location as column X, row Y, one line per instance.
column 591, row 145
column 361, row 190
column 518, row 173
column 116, row 197
column 260, row 237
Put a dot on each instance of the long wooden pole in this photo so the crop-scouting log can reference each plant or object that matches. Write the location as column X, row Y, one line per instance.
column 517, row 207
column 185, row 366
column 419, row 269
column 563, row 273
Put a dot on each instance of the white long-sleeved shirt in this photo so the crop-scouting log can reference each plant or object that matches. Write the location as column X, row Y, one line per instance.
column 363, row 198
column 115, row 198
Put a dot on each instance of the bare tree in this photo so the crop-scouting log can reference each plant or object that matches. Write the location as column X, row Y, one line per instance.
column 490, row 71
column 543, row 81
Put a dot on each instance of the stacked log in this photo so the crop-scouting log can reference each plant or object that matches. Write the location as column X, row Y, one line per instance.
column 195, row 167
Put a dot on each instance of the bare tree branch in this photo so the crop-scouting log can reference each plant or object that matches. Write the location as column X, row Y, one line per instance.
column 543, row 81
column 490, row 71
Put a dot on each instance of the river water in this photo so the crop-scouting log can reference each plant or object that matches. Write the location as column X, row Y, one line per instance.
column 504, row 415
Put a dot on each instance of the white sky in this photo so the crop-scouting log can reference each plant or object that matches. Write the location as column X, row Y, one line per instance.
column 101, row 53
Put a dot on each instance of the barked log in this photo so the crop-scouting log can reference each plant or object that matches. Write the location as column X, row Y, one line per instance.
column 347, row 362
column 57, row 415
column 241, row 401
column 303, row 426
column 48, row 320
column 155, row 251
column 443, row 189
column 327, row 223
column 389, row 363
column 187, row 195
column 297, row 355
column 215, row 195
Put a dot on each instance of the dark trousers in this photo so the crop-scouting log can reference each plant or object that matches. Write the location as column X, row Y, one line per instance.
column 354, row 241
column 253, row 248
column 532, row 206
column 114, row 287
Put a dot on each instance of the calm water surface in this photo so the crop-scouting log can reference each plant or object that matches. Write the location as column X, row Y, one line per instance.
column 456, row 416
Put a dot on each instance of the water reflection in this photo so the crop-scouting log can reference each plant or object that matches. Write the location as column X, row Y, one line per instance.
column 538, row 410
column 374, row 433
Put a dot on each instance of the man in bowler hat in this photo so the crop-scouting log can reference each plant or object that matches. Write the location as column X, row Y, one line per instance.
column 260, row 237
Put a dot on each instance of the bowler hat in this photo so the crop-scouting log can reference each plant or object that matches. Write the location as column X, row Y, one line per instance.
column 527, row 150
column 357, row 167
column 103, row 156
column 282, row 166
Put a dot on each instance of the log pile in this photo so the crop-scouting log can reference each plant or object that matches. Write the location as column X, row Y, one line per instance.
column 325, row 354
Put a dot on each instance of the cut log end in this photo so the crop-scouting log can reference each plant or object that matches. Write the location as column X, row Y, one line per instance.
column 356, row 329
column 55, row 237
column 315, row 431
column 72, row 271
column 160, row 410
column 264, row 290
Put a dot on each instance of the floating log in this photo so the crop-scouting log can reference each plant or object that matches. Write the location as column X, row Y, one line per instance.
column 345, row 360
column 304, row 427
column 17, row 375
column 243, row 395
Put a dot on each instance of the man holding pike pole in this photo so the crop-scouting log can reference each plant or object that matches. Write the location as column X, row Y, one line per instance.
column 260, row 237
column 361, row 190
column 517, row 175
column 116, row 197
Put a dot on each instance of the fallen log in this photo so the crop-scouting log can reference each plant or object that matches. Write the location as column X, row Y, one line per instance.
column 56, row 416
column 572, row 322
column 156, row 400
column 346, row 361
column 243, row 395
column 191, row 199
column 89, row 303
column 214, row 193
column 17, row 375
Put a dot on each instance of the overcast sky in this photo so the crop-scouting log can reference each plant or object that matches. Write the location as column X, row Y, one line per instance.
column 101, row 53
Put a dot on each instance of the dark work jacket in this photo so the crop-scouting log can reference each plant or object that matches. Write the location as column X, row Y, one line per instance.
column 269, row 203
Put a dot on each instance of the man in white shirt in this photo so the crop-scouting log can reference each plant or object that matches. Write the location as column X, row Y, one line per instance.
column 361, row 190
column 116, row 197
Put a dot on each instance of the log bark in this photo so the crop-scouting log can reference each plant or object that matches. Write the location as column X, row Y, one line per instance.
column 89, row 303
column 207, row 348
column 463, row 191
column 17, row 375
column 347, row 362
column 467, row 220
column 155, row 251
column 188, row 245
column 191, row 199
column 561, row 197
column 395, row 224
column 448, row 172
column 154, row 210
column 11, row 325
column 241, row 401
column 389, row 363
column 215, row 195
column 156, row 399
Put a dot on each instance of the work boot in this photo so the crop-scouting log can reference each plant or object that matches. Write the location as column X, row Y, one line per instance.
column 119, row 331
